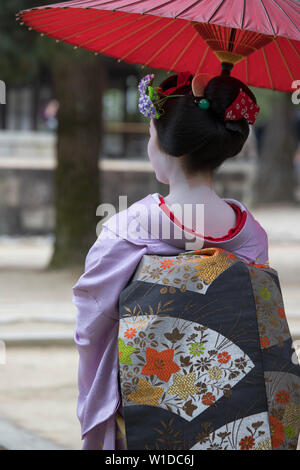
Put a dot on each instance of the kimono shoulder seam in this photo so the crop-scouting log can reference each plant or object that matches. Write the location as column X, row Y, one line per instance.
column 131, row 242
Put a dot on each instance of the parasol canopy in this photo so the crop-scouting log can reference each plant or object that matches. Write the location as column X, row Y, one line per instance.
column 259, row 38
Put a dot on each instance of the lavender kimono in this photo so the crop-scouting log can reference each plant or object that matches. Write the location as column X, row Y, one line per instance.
column 110, row 264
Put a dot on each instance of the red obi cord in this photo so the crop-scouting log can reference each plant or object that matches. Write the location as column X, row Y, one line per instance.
column 241, row 219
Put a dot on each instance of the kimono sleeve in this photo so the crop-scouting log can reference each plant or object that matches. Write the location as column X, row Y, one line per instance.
column 109, row 265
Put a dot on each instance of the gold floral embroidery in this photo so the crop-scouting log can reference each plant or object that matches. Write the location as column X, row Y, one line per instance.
column 215, row 373
column 264, row 445
column 208, row 269
column 291, row 417
column 183, row 385
column 145, row 394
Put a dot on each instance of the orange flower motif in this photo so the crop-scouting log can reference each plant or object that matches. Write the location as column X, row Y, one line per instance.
column 208, row 399
column 282, row 397
column 160, row 363
column 277, row 432
column 166, row 263
column 130, row 333
column 231, row 255
column 224, row 357
column 264, row 342
column 247, row 443
column 281, row 312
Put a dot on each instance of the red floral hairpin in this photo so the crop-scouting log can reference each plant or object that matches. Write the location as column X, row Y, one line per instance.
column 242, row 107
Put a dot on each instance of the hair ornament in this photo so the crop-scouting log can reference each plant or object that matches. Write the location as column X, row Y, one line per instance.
column 199, row 83
column 152, row 99
column 203, row 103
column 242, row 107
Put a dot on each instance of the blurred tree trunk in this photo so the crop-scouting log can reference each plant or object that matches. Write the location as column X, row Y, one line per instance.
column 276, row 180
column 79, row 85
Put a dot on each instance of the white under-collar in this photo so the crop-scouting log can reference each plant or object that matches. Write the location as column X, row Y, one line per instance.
column 180, row 236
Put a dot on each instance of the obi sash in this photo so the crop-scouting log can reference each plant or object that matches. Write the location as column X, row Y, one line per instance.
column 206, row 358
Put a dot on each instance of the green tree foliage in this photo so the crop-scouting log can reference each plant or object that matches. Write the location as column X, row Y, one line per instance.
column 19, row 58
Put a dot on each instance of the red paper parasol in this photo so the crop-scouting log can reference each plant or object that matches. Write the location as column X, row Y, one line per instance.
column 261, row 38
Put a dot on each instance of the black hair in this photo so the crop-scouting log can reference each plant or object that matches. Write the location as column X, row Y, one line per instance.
column 202, row 136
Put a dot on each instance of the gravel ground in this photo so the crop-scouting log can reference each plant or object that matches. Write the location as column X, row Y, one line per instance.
column 38, row 391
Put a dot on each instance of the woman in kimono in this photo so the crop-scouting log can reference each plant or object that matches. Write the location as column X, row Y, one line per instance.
column 191, row 135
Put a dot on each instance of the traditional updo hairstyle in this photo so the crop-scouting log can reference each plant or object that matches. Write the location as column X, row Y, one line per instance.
column 202, row 136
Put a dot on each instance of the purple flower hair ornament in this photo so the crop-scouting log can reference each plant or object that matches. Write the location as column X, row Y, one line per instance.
column 151, row 98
